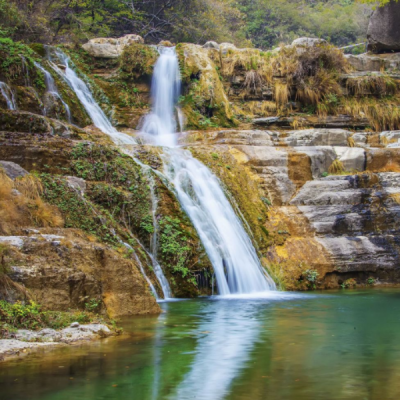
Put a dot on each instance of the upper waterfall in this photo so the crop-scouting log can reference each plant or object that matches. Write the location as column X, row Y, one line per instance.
column 85, row 96
column 229, row 248
column 165, row 91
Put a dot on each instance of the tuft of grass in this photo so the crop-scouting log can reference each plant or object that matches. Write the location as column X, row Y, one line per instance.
column 351, row 142
column 336, row 168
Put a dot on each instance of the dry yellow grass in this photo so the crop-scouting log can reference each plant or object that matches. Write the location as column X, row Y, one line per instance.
column 22, row 206
column 336, row 168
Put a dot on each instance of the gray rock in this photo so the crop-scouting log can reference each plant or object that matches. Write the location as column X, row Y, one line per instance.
column 245, row 137
column 211, row 45
column 307, row 42
column 352, row 158
column 225, row 47
column 13, row 170
column 318, row 137
column 370, row 63
column 75, row 325
column 384, row 28
column 321, row 157
column 109, row 47
column 77, row 184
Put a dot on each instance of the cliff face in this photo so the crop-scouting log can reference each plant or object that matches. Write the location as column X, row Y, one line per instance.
column 295, row 137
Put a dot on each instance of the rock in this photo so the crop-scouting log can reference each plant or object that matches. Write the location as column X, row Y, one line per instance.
column 318, row 137
column 165, row 43
column 377, row 62
column 242, row 137
column 77, row 184
column 109, row 47
column 16, row 241
column 307, row 42
column 329, row 122
column 211, row 45
column 321, row 157
column 352, row 158
column 225, row 47
column 13, row 170
column 391, row 136
column 361, row 138
column 384, row 29
column 75, row 325
column 383, row 160
column 271, row 164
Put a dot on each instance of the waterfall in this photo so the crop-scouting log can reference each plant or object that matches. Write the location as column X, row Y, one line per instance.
column 89, row 103
column 229, row 248
column 52, row 90
column 8, row 96
column 160, row 124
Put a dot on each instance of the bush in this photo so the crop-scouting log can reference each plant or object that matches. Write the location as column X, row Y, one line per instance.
column 32, row 316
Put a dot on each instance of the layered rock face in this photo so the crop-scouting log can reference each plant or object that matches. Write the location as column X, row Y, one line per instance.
column 341, row 224
column 384, row 29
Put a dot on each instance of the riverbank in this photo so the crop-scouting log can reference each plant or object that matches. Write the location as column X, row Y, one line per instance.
column 26, row 342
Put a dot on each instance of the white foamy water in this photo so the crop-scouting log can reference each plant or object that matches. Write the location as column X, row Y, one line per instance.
column 8, row 96
column 52, row 89
column 85, row 96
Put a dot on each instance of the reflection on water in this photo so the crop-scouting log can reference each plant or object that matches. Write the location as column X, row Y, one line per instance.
column 224, row 340
column 332, row 347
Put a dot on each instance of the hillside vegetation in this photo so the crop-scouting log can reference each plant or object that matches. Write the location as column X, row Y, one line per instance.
column 262, row 23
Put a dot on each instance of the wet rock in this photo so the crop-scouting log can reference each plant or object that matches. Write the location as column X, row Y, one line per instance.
column 13, row 170
column 109, row 47
column 384, row 30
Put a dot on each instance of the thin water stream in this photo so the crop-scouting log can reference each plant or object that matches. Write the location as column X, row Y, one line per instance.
column 341, row 345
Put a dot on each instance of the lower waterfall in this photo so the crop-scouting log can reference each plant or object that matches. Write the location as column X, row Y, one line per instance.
column 229, row 248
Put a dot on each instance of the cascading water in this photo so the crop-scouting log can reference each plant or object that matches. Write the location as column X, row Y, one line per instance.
column 230, row 250
column 52, row 89
column 86, row 98
column 8, row 96
column 165, row 90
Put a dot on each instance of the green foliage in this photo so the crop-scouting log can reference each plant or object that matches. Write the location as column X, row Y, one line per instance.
column 270, row 22
column 138, row 60
column 371, row 281
column 349, row 283
column 32, row 316
column 174, row 246
column 311, row 276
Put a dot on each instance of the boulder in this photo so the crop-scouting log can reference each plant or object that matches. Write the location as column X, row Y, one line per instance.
column 110, row 47
column 384, row 29
column 321, row 157
column 225, row 47
column 307, row 42
column 211, row 45
column 374, row 62
column 13, row 170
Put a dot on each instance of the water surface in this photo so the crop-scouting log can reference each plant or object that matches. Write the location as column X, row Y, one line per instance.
column 332, row 345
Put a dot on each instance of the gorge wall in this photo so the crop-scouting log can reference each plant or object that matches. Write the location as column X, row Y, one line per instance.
column 304, row 140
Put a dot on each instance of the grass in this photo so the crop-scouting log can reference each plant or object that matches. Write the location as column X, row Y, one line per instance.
column 336, row 168
column 21, row 205
column 32, row 316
